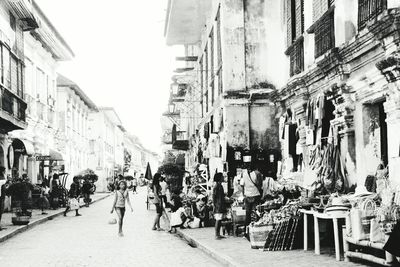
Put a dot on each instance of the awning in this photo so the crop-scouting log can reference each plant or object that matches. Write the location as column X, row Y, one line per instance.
column 55, row 155
column 24, row 147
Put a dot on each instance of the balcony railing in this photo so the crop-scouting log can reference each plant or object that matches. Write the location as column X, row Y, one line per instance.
column 369, row 10
column 325, row 34
column 13, row 105
column 296, row 56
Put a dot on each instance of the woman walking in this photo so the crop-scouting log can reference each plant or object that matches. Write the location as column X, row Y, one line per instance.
column 121, row 196
column 74, row 194
column 157, row 201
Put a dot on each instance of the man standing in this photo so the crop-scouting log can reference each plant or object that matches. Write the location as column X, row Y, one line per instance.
column 3, row 181
column 252, row 183
column 164, row 187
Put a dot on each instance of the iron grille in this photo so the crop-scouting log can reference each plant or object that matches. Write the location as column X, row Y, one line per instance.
column 325, row 35
column 297, row 58
column 369, row 10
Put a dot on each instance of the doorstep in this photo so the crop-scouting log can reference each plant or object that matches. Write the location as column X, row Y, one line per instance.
column 10, row 230
column 236, row 251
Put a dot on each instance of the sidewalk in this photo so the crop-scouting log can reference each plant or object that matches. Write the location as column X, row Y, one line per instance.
column 10, row 230
column 236, row 251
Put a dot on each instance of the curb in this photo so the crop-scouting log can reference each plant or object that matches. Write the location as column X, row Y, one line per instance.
column 37, row 222
column 224, row 260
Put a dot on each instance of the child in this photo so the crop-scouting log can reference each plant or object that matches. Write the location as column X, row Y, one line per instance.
column 121, row 196
column 44, row 194
column 219, row 204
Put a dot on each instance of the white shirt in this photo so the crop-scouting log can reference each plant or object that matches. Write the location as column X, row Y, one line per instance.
column 163, row 185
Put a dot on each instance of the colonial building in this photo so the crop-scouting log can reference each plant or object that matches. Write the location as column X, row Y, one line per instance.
column 107, row 145
column 226, row 92
column 343, row 89
column 44, row 49
column 17, row 18
column 73, row 139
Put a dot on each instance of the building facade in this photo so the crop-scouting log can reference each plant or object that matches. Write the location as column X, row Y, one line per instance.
column 229, row 82
column 342, row 55
column 44, row 49
column 73, row 139
column 307, row 81
column 16, row 20
column 107, row 145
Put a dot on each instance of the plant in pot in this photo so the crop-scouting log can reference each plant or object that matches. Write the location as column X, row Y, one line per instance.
column 20, row 193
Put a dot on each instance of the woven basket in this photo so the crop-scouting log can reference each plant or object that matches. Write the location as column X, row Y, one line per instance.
column 258, row 234
column 20, row 220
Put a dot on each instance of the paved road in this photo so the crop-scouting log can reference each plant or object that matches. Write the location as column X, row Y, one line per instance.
column 90, row 241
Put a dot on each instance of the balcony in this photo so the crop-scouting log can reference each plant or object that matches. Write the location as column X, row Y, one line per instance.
column 12, row 111
column 179, row 140
column 369, row 10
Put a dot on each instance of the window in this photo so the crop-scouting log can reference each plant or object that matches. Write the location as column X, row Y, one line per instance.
column 201, row 86
column 369, row 10
column 206, row 78
column 13, row 22
column 324, row 34
column 296, row 56
column 6, row 68
column 295, row 20
column 212, row 67
column 219, row 52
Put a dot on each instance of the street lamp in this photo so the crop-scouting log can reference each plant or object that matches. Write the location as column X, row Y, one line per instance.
column 171, row 108
column 175, row 88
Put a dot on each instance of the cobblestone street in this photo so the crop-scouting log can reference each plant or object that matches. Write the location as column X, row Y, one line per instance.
column 90, row 241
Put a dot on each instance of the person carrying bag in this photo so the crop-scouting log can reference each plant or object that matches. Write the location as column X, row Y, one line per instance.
column 252, row 189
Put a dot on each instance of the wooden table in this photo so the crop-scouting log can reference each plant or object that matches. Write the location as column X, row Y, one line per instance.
column 327, row 216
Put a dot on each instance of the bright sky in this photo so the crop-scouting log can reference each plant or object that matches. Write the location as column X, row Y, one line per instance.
column 121, row 57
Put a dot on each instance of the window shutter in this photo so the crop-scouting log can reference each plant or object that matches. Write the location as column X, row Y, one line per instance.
column 289, row 36
column 299, row 18
column 319, row 8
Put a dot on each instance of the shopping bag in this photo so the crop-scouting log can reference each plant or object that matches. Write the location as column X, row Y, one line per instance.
column 376, row 234
column 176, row 218
column 195, row 223
column 112, row 220
column 73, row 204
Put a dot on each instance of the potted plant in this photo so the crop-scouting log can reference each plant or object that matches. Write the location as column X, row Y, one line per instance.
column 20, row 193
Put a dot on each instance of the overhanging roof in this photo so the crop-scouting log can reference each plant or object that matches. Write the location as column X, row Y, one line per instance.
column 50, row 38
column 63, row 81
column 111, row 114
column 185, row 20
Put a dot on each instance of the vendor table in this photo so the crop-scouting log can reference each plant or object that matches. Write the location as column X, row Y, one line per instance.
column 327, row 216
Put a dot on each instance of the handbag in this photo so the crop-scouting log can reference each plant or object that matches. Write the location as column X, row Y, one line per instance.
column 73, row 204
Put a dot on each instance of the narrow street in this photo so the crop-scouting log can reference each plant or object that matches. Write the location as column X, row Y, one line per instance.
column 90, row 241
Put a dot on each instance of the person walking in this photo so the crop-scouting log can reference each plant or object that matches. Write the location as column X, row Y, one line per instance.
column 134, row 185
column 86, row 191
column 73, row 194
column 218, row 197
column 121, row 196
column 44, row 197
column 3, row 182
column 156, row 188
column 164, row 188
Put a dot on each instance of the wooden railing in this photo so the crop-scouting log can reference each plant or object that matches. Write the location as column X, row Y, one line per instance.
column 325, row 34
column 13, row 104
column 369, row 10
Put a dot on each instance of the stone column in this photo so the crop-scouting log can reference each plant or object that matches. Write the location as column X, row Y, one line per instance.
column 392, row 109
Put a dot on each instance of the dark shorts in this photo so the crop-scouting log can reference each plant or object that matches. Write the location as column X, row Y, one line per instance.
column 158, row 208
column 122, row 210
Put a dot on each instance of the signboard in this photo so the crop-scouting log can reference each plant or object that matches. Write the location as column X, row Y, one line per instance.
column 42, row 158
